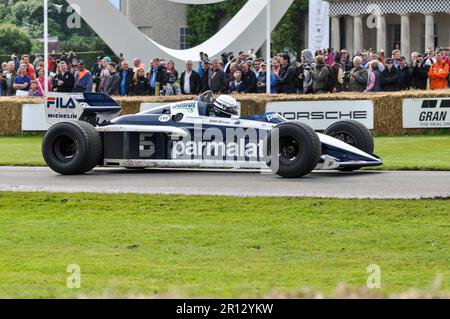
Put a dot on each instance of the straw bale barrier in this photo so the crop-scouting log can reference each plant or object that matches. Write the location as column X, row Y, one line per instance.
column 387, row 106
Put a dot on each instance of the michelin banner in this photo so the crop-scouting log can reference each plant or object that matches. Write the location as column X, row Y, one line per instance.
column 319, row 25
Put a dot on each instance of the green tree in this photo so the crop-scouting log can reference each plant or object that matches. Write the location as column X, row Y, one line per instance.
column 13, row 40
column 28, row 16
column 204, row 21
column 290, row 31
column 77, row 43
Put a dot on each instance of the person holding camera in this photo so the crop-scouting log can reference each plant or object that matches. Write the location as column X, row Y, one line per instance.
column 321, row 76
column 419, row 72
column 357, row 77
column 309, row 65
column 262, row 80
column 405, row 75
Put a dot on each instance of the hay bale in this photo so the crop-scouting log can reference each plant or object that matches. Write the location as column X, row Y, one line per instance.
column 11, row 114
column 387, row 107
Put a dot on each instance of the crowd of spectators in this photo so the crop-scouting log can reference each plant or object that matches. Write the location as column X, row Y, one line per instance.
column 323, row 71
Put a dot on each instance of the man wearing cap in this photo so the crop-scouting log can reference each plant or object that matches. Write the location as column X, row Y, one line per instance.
column 365, row 59
column 390, row 77
column 83, row 79
column 204, row 79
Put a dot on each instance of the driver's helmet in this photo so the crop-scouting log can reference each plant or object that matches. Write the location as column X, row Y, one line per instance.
column 226, row 106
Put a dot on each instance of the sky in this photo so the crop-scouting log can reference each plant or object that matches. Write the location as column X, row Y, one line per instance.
column 115, row 2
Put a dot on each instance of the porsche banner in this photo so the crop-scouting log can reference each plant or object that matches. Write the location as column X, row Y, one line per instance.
column 319, row 25
column 321, row 115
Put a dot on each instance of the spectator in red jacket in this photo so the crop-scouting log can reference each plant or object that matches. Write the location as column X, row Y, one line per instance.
column 438, row 73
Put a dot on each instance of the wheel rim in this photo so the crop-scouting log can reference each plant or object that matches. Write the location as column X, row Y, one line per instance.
column 345, row 137
column 289, row 148
column 64, row 148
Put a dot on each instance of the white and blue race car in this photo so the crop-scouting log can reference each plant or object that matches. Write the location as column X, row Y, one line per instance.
column 87, row 131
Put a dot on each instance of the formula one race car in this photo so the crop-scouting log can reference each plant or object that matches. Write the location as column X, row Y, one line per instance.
column 87, row 131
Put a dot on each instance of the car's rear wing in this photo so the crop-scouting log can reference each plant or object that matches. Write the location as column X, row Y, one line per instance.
column 96, row 108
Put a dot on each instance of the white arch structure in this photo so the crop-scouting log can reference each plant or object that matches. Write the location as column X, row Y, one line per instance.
column 197, row 1
column 244, row 31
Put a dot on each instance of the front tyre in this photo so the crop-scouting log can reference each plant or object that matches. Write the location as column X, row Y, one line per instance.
column 71, row 148
column 353, row 133
column 299, row 150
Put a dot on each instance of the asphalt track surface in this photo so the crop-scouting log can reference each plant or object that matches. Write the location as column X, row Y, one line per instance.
column 362, row 184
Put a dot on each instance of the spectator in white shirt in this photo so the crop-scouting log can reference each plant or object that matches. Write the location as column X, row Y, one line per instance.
column 190, row 80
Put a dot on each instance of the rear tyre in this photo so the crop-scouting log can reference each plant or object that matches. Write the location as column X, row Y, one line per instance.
column 299, row 150
column 353, row 133
column 71, row 148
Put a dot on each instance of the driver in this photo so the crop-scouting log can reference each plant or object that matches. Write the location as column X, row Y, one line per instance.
column 226, row 106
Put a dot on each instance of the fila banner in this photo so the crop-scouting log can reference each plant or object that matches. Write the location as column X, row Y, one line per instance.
column 321, row 114
column 319, row 25
column 426, row 113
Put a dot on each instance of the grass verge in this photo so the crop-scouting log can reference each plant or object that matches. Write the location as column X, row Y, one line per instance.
column 422, row 152
column 21, row 151
column 202, row 246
